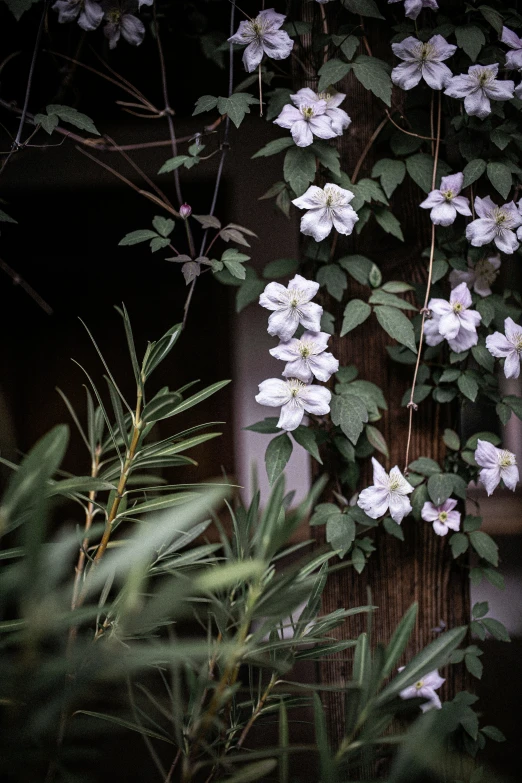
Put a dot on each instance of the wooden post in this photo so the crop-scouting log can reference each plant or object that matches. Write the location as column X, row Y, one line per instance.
column 421, row 568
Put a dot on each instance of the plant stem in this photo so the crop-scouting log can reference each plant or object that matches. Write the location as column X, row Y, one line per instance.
column 80, row 566
column 17, row 141
column 131, row 451
column 411, row 404
column 224, row 150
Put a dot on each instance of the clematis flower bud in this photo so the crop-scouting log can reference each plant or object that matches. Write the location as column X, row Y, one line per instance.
column 185, row 211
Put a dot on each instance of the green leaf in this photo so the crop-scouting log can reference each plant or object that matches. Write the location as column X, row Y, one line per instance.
column 473, row 170
column 395, row 323
column 277, row 454
column 480, row 609
column 396, row 287
column 235, row 268
column 326, row 757
column 299, row 168
column 473, row 665
column 275, row 146
column 73, row 117
column 347, row 43
column 388, row 222
column 440, row 487
column 431, row 657
column 391, row 173
column 125, row 724
column 322, row 512
column 18, row 7
column 425, row 466
column 493, row 733
column 486, row 310
column 159, row 350
column 257, row 770
column 199, row 397
column 47, row 122
column 500, row 177
column 483, row 357
column 141, row 235
column 496, row 629
column 393, row 528
column 268, row 426
column 82, row 484
column 491, row 437
column 459, row 544
column 236, row 106
column 28, row 482
column 492, row 17
column 158, row 243
column 280, row 268
column 451, row 439
column 350, row 413
column 334, row 279
column 5, row 218
column 363, row 8
column 471, row 39
column 515, row 403
column 305, row 437
column 418, row 499
column 276, row 100
column 205, row 103
column 340, row 532
column 164, row 226
column 468, row 386
column 484, row 546
column 174, row 163
column 331, row 72
column 328, row 156
column 384, row 298
column 399, row 640
column 376, row 438
column 359, row 267
column 374, row 75
column 420, row 169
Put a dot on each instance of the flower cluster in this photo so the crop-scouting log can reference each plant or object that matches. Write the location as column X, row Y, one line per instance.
column 314, row 114
column 263, row 35
column 118, row 14
column 478, row 87
column 306, row 357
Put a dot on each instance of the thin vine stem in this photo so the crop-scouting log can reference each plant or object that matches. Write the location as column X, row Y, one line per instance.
column 18, row 138
column 412, row 406
column 224, row 150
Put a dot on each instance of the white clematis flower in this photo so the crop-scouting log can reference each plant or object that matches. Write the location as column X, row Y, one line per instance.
column 338, row 117
column 478, row 88
column 443, row 517
column 479, row 277
column 328, row 208
column 455, row 314
column 295, row 398
column 305, row 121
column 496, row 464
column 508, row 347
column 263, row 36
column 494, row 224
column 446, row 202
column 307, row 357
column 291, row 306
column 425, row 687
column 389, row 491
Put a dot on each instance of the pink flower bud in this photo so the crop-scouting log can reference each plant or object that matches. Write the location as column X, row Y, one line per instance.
column 185, row 211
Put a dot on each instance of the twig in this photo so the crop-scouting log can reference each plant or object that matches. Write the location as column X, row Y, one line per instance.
column 224, row 150
column 408, row 133
column 411, row 404
column 18, row 280
column 17, row 141
column 367, row 148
